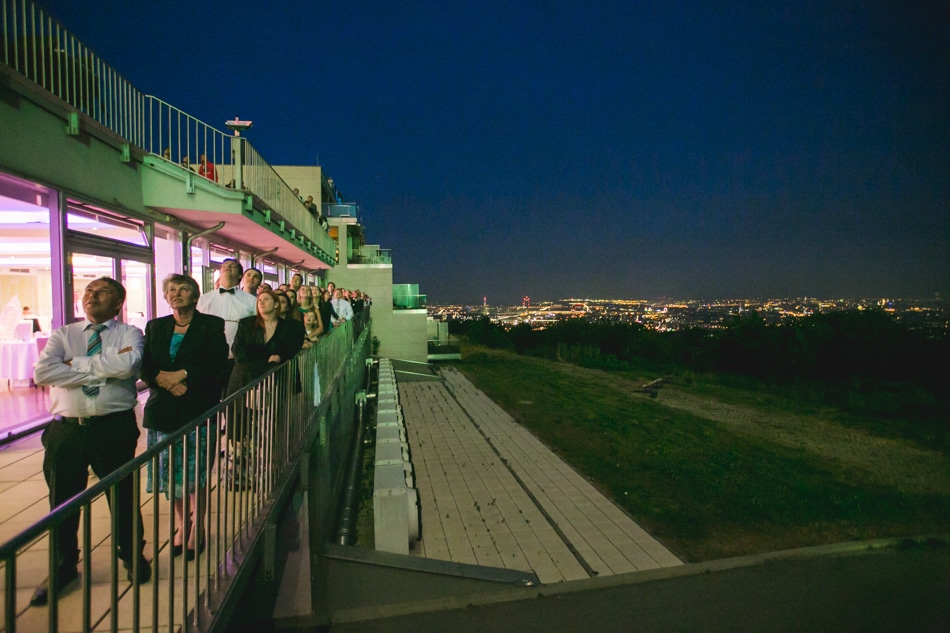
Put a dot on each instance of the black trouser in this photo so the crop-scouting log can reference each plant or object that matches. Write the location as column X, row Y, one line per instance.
column 106, row 444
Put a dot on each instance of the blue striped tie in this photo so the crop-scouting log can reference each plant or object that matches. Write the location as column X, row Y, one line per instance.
column 92, row 348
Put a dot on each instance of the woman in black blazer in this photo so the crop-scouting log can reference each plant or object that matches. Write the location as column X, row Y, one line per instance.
column 182, row 362
column 262, row 341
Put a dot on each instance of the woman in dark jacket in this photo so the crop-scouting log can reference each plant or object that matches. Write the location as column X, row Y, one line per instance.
column 327, row 313
column 262, row 341
column 181, row 363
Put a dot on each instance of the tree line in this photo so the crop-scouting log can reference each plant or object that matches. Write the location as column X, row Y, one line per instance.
column 863, row 360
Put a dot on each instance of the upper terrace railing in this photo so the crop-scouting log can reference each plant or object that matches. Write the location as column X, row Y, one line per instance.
column 182, row 139
column 373, row 256
column 38, row 47
column 341, row 210
column 292, row 429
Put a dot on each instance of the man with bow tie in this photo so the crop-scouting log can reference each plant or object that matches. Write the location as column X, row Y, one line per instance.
column 229, row 302
column 232, row 304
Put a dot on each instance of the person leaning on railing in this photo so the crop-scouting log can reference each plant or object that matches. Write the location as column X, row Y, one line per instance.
column 91, row 368
column 262, row 341
column 182, row 361
column 309, row 316
column 313, row 328
column 328, row 315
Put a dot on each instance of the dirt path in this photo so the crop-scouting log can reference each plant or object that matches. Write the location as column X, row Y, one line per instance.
column 857, row 456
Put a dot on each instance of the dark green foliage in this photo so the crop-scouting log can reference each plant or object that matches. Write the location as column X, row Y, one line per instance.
column 863, row 361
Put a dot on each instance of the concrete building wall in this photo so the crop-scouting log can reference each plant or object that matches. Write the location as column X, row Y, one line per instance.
column 401, row 333
column 406, row 338
column 306, row 178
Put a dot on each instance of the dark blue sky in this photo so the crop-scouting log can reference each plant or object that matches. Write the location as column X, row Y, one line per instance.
column 610, row 149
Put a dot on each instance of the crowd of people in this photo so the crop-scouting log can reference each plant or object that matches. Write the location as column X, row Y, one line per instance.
column 329, row 306
column 210, row 346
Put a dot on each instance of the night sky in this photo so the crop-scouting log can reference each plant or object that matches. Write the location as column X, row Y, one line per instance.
column 589, row 149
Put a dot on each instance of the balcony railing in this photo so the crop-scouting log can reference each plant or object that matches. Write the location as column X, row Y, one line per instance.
column 341, row 210
column 379, row 256
column 38, row 47
column 271, row 432
column 407, row 297
column 409, row 302
column 445, row 347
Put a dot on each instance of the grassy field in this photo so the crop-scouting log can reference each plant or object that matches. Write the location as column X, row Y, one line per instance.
column 718, row 471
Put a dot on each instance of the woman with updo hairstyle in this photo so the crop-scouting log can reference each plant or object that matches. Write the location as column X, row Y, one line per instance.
column 181, row 364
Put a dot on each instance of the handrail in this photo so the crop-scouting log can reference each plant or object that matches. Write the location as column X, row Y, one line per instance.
column 185, row 137
column 38, row 47
column 272, row 420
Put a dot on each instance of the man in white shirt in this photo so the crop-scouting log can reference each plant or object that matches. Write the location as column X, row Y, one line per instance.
column 231, row 304
column 91, row 367
column 228, row 301
column 341, row 306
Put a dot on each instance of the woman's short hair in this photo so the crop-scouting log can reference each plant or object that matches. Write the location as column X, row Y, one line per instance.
column 175, row 278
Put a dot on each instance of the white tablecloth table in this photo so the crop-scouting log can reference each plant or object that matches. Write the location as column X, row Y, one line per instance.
column 17, row 359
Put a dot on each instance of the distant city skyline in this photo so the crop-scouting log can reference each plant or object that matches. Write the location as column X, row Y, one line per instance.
column 535, row 300
column 606, row 148
column 927, row 317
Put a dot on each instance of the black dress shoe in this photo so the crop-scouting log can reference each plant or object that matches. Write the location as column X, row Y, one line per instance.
column 63, row 578
column 145, row 571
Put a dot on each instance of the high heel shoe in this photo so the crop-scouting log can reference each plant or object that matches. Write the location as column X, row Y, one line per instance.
column 177, row 549
column 191, row 553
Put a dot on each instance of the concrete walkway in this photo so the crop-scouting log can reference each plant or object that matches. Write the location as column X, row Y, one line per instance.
column 492, row 494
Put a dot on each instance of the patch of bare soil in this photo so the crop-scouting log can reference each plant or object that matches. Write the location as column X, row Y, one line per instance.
column 854, row 455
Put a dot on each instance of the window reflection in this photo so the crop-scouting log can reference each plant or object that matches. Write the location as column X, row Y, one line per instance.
column 92, row 221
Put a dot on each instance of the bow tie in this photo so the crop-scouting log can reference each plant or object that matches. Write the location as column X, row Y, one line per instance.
column 230, row 291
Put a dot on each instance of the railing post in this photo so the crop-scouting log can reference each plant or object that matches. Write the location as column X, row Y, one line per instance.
column 237, row 149
column 269, row 556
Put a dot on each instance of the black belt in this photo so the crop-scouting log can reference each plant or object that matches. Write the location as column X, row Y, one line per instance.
column 92, row 419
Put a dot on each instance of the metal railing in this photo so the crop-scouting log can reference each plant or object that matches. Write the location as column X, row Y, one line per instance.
column 38, row 47
column 252, row 447
column 183, row 139
column 341, row 210
column 378, row 256
column 409, row 302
